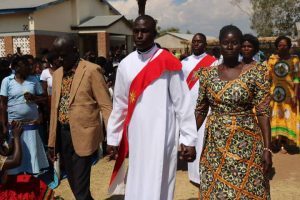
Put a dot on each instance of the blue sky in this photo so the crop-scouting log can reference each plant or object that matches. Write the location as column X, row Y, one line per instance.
column 206, row 16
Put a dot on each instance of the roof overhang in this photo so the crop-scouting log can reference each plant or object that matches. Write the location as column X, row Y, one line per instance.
column 100, row 22
column 187, row 38
column 26, row 7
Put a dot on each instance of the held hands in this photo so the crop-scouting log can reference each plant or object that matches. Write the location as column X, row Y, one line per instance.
column 112, row 152
column 187, row 153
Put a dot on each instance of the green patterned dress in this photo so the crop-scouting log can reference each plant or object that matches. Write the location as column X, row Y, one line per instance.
column 231, row 162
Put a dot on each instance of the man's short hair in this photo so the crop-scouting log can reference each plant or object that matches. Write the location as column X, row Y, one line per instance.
column 148, row 18
column 201, row 35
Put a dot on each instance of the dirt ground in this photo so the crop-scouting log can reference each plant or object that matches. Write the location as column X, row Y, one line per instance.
column 285, row 184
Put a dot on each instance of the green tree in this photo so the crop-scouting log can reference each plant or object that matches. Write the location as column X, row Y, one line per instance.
column 275, row 17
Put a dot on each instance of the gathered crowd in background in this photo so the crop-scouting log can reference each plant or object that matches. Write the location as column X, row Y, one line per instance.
column 257, row 98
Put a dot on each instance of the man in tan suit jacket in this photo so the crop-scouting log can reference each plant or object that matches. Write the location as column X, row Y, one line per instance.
column 79, row 93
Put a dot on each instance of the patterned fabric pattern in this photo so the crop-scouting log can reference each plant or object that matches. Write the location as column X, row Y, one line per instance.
column 231, row 162
column 285, row 118
column 63, row 111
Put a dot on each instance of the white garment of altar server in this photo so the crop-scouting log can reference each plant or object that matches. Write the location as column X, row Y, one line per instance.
column 152, row 135
column 188, row 64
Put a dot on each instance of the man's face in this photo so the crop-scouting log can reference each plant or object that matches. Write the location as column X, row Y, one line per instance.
column 198, row 45
column 66, row 55
column 144, row 34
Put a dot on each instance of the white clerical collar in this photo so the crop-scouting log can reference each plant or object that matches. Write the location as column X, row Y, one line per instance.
column 199, row 56
column 146, row 55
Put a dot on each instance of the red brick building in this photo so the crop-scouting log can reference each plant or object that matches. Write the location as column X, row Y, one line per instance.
column 32, row 25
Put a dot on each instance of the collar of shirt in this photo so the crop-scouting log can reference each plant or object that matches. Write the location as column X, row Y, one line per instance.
column 146, row 55
column 69, row 73
column 199, row 56
column 72, row 71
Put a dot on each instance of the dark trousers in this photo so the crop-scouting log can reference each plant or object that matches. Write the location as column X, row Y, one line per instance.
column 78, row 168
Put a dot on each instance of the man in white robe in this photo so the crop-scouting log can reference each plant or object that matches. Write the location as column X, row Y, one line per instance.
column 152, row 135
column 190, row 67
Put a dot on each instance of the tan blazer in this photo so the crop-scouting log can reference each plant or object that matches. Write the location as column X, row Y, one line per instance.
column 89, row 95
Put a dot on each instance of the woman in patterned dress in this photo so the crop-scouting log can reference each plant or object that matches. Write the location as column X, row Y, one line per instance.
column 236, row 156
column 284, row 70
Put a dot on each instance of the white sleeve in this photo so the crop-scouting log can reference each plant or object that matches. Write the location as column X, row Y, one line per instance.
column 4, row 87
column 119, row 112
column 215, row 63
column 44, row 75
column 183, row 106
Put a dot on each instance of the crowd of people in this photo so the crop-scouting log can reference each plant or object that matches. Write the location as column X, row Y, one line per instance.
column 226, row 113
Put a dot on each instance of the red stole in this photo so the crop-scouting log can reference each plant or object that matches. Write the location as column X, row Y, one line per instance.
column 193, row 76
column 151, row 71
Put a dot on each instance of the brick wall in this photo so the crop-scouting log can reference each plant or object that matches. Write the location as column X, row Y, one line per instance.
column 8, row 42
column 42, row 42
column 32, row 45
column 38, row 43
column 103, row 43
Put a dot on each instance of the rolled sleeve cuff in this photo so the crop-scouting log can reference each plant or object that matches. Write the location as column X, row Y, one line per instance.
column 113, row 140
column 187, row 141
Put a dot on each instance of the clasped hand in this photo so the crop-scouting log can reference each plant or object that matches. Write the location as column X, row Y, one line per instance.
column 187, row 153
column 112, row 152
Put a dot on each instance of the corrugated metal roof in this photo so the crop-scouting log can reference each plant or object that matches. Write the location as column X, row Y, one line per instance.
column 189, row 37
column 101, row 21
column 24, row 4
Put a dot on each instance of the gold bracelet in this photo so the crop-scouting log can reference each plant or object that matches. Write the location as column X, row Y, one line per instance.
column 269, row 150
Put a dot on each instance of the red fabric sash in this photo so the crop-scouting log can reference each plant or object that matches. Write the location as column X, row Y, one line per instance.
column 193, row 76
column 152, row 71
